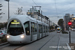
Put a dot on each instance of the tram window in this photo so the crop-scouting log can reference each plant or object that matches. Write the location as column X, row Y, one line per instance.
column 32, row 27
column 47, row 29
column 40, row 28
column 35, row 27
column 26, row 25
column 44, row 29
column 15, row 25
column 15, row 28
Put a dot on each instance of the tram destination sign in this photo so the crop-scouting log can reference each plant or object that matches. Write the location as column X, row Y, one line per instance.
column 15, row 22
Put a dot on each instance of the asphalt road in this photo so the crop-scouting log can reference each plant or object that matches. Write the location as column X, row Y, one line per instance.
column 55, row 41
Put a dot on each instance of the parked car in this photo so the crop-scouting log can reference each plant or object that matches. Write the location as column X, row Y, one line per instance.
column 2, row 33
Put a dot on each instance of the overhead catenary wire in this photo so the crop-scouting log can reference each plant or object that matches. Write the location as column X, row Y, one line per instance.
column 62, row 11
column 56, row 12
column 34, row 2
column 65, row 10
column 56, row 8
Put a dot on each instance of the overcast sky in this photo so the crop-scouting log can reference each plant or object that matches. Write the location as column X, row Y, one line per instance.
column 50, row 8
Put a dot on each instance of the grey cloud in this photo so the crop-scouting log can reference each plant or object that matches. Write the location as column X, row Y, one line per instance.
column 48, row 6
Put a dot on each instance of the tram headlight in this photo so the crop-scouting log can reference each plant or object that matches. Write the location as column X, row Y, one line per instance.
column 8, row 36
column 22, row 36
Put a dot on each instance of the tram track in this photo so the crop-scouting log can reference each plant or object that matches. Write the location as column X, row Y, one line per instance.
column 46, row 42
column 7, row 45
column 11, row 47
column 28, row 43
column 54, row 46
column 18, row 47
column 58, row 42
column 14, row 47
column 3, row 43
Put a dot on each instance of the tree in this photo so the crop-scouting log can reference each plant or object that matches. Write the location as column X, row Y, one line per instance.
column 3, row 25
column 56, row 27
column 51, row 27
column 60, row 23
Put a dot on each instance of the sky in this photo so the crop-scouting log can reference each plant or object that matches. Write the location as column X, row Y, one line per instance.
column 54, row 9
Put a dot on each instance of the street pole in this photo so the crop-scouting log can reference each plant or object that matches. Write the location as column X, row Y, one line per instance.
column 69, row 23
column 8, row 9
column 69, row 36
column 41, row 15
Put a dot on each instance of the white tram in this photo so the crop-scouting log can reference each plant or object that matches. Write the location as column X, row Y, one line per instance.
column 25, row 29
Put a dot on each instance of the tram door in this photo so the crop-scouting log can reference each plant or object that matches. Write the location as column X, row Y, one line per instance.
column 33, row 31
column 38, row 34
column 40, row 31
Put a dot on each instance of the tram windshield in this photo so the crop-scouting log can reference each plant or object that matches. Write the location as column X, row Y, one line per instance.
column 15, row 28
column 58, row 29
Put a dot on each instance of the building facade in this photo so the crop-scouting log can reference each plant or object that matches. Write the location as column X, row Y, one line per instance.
column 72, row 19
column 66, row 20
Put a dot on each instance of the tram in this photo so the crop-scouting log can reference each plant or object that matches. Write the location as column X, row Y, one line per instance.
column 25, row 29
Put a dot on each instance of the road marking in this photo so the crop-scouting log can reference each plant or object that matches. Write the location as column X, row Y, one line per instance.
column 68, row 46
column 58, row 42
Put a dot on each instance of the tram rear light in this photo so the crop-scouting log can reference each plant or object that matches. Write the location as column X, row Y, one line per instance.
column 22, row 36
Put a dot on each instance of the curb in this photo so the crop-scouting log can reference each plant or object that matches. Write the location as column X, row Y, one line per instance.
column 68, row 46
column 3, row 43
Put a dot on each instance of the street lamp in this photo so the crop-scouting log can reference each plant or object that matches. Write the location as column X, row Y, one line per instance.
column 8, row 8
